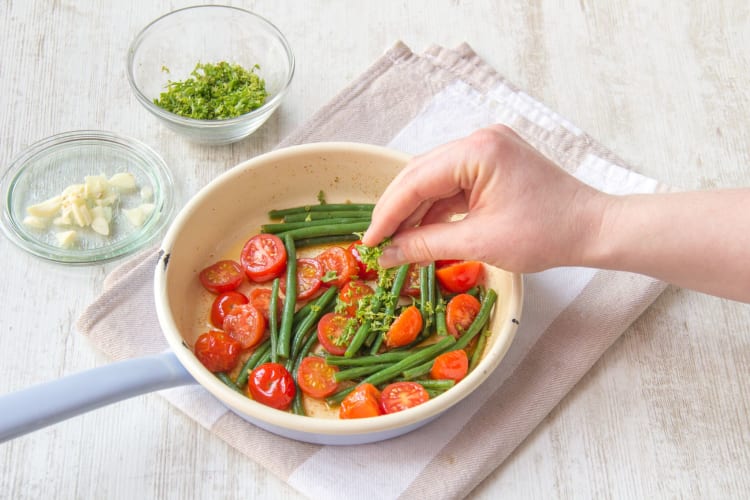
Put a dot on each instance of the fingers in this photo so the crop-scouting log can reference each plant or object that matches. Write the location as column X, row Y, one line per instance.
column 432, row 176
column 447, row 240
column 444, row 210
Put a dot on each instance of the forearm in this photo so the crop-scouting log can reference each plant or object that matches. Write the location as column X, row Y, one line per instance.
column 697, row 240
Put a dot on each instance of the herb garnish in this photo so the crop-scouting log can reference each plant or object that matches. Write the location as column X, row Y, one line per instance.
column 214, row 92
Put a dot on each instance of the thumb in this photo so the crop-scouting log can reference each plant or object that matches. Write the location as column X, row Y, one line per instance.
column 447, row 240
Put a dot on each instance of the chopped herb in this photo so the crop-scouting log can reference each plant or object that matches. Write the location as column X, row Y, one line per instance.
column 329, row 276
column 214, row 92
column 322, row 197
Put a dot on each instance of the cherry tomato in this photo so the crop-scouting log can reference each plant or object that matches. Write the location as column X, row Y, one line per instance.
column 339, row 266
column 222, row 276
column 217, row 351
column 272, row 385
column 460, row 313
column 223, row 304
column 362, row 402
column 245, row 324
column 263, row 257
column 446, row 262
column 364, row 273
column 316, row 378
column 405, row 328
column 453, row 365
column 261, row 299
column 351, row 293
column 309, row 275
column 331, row 328
column 400, row 396
column 411, row 285
column 459, row 277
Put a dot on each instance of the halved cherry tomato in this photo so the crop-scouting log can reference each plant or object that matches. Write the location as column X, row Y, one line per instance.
column 316, row 378
column 222, row 276
column 459, row 277
column 261, row 299
column 362, row 402
column 339, row 266
column 400, row 396
column 460, row 313
column 453, row 365
column 364, row 273
column 272, row 385
column 352, row 292
column 331, row 328
column 309, row 275
column 411, row 285
column 223, row 304
column 446, row 262
column 263, row 257
column 405, row 328
column 245, row 324
column 217, row 351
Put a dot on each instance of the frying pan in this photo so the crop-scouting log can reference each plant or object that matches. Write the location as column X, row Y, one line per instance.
column 214, row 224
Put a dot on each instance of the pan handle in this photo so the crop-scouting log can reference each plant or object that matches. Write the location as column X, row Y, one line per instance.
column 44, row 404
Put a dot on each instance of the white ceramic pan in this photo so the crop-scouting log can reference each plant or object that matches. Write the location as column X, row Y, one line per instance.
column 213, row 225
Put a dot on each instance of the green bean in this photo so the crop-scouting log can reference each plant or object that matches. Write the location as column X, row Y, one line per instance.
column 483, row 316
column 317, row 310
column 419, row 370
column 288, row 226
column 264, row 359
column 325, row 240
column 359, row 371
column 431, row 290
column 440, row 326
column 298, row 407
column 290, row 301
column 327, row 207
column 424, row 300
column 300, row 315
column 252, row 362
column 273, row 319
column 336, row 214
column 390, row 308
column 476, row 356
column 442, row 384
column 364, row 329
column 386, row 357
column 395, row 369
column 228, row 382
column 327, row 230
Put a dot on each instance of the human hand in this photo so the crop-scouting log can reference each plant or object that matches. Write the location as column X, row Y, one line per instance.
column 523, row 213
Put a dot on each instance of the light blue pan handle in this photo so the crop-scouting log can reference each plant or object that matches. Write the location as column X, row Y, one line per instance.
column 45, row 404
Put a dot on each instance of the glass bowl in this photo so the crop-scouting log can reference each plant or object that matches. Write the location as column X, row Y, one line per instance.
column 53, row 164
column 170, row 47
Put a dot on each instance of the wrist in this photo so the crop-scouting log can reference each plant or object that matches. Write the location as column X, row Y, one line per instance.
column 594, row 246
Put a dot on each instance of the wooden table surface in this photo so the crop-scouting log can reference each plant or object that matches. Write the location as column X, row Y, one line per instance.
column 664, row 413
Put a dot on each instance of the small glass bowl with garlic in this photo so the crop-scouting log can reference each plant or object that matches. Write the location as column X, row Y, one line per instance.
column 86, row 196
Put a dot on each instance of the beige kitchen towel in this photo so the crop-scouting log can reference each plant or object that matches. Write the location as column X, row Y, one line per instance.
column 413, row 102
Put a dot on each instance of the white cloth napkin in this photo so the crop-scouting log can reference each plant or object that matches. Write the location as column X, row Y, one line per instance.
column 571, row 316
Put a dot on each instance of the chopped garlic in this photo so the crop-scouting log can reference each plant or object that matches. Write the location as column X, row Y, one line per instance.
column 138, row 215
column 66, row 238
column 147, row 193
column 100, row 225
column 90, row 204
column 36, row 222
column 124, row 181
column 47, row 208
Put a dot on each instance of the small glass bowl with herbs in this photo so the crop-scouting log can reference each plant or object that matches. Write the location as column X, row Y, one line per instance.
column 211, row 73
